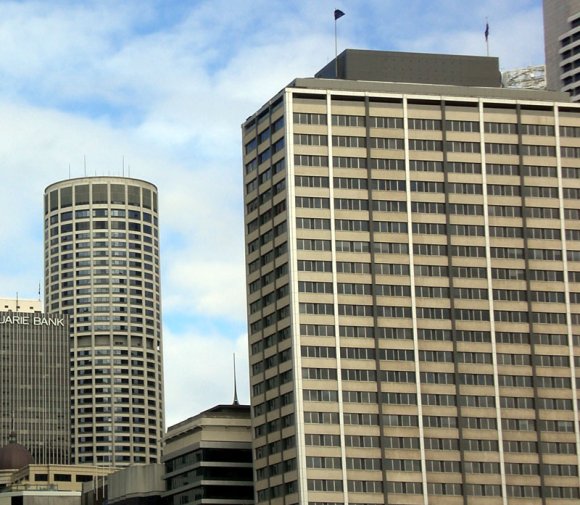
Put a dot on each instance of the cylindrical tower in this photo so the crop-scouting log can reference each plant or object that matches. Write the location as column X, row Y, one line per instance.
column 101, row 266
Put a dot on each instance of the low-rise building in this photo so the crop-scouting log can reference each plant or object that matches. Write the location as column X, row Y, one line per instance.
column 209, row 457
column 25, row 483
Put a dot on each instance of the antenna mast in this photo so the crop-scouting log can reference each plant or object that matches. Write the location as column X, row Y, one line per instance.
column 236, row 402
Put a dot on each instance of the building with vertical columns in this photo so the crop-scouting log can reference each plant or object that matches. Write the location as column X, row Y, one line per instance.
column 413, row 284
column 102, row 269
column 561, row 37
column 34, row 381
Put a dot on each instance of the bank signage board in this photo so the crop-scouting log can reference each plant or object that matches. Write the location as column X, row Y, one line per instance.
column 31, row 320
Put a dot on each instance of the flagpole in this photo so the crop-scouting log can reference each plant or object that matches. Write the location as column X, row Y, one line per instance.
column 335, row 49
column 337, row 15
column 487, row 35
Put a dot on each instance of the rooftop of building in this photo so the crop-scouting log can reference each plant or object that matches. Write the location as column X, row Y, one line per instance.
column 20, row 305
column 219, row 411
column 433, row 90
column 429, row 75
column 420, row 73
column 220, row 415
column 425, row 68
column 115, row 179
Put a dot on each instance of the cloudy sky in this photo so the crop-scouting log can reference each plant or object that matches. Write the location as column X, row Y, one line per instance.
column 165, row 85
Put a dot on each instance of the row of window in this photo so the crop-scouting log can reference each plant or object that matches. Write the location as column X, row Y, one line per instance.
column 434, row 124
column 502, row 337
column 398, row 144
column 436, row 250
column 446, row 489
column 102, row 213
column 424, row 187
column 470, row 379
column 440, row 400
column 541, row 360
column 481, row 423
column 440, row 444
column 459, row 167
column 471, row 230
column 482, row 336
column 436, row 271
column 434, row 292
column 317, row 202
column 438, row 313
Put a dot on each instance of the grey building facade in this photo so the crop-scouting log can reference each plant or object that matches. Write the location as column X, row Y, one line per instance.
column 102, row 269
column 34, row 384
column 561, row 37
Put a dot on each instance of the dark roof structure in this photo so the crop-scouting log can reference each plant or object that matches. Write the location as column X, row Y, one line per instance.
column 14, row 456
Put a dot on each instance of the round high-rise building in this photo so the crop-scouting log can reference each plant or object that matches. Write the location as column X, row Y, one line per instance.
column 101, row 267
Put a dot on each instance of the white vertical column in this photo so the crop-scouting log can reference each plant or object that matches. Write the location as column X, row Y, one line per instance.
column 414, row 305
column 491, row 306
column 294, row 303
column 335, row 297
column 566, row 283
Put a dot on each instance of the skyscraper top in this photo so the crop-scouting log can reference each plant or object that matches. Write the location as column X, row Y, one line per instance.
column 105, row 178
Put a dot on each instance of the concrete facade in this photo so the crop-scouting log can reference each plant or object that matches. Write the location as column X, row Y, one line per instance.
column 20, row 305
column 102, row 269
column 413, row 275
column 208, row 458
column 34, row 382
column 48, row 484
column 138, row 484
column 561, row 42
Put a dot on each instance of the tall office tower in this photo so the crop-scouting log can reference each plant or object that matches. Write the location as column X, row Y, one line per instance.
column 102, row 268
column 413, row 275
column 34, row 381
column 561, row 34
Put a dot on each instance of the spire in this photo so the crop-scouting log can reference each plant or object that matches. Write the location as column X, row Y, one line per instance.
column 236, row 402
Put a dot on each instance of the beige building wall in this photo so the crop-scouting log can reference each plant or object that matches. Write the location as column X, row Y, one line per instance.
column 20, row 305
column 48, row 484
column 41, row 497
column 413, row 270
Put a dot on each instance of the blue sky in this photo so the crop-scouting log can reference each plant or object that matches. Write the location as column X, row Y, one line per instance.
column 165, row 84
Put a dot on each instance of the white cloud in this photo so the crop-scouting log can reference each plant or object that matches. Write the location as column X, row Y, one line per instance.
column 199, row 372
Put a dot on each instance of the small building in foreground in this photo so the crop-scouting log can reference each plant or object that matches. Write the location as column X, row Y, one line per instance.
column 22, row 482
column 209, row 457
